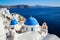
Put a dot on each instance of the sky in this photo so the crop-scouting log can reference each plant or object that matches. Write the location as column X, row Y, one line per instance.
column 31, row 2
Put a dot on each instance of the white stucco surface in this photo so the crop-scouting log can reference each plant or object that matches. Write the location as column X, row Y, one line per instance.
column 2, row 31
column 30, row 36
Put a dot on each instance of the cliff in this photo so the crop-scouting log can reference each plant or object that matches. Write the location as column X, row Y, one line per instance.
column 15, row 6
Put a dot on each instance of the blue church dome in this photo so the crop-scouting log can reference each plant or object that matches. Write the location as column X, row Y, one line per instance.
column 13, row 22
column 31, row 21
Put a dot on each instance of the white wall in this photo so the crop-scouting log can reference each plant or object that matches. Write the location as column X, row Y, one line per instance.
column 2, row 31
column 35, row 27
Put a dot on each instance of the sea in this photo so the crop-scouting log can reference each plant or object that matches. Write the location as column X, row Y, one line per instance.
column 50, row 15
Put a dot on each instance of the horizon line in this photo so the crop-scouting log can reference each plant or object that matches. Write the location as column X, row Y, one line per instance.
column 30, row 5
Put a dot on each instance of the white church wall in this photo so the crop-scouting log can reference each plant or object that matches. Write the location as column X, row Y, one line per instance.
column 33, row 27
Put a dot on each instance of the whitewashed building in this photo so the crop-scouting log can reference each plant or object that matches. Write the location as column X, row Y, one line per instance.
column 31, row 24
column 13, row 26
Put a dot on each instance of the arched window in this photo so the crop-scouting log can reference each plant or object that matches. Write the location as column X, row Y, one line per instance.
column 31, row 29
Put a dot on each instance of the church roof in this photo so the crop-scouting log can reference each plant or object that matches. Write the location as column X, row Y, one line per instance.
column 31, row 21
column 13, row 22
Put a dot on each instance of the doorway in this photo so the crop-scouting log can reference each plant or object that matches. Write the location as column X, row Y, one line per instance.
column 31, row 29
